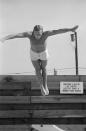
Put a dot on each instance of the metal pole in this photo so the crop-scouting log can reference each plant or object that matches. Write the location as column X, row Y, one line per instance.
column 76, row 53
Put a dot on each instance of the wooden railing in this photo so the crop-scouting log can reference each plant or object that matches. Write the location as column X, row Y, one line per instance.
column 21, row 102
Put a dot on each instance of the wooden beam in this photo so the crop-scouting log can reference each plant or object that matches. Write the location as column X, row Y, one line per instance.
column 23, row 121
column 23, row 78
column 41, row 113
column 16, row 128
column 58, row 99
column 25, row 92
column 34, row 85
column 43, row 106
column 14, row 99
column 42, row 99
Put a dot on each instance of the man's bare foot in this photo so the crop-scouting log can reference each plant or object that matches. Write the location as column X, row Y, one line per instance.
column 44, row 91
column 47, row 90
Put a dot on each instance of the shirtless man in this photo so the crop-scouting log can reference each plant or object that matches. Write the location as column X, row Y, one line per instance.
column 38, row 50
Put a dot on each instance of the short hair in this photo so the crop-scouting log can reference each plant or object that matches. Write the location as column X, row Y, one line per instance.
column 38, row 28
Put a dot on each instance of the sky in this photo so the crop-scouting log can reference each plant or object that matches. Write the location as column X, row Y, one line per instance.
column 22, row 15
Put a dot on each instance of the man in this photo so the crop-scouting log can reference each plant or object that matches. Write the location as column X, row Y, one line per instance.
column 38, row 50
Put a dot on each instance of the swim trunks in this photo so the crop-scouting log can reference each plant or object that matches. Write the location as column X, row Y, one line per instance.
column 39, row 56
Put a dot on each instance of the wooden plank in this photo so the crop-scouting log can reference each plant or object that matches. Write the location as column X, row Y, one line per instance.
column 43, row 106
column 14, row 99
column 23, row 121
column 33, row 93
column 15, row 127
column 53, row 93
column 58, row 99
column 82, row 78
column 14, row 85
column 34, row 78
column 26, row 78
column 19, row 78
column 34, row 85
column 41, row 113
column 42, row 99
column 15, row 92
column 52, row 85
column 63, row 78
column 15, row 114
column 71, row 127
column 58, row 113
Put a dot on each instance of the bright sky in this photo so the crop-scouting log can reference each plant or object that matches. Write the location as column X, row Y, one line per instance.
column 22, row 15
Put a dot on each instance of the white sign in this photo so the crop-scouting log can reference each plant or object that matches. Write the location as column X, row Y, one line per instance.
column 71, row 87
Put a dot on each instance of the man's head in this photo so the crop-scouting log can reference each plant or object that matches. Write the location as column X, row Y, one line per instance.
column 38, row 31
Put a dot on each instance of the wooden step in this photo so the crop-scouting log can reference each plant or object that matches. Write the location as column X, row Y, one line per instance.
column 24, row 78
column 42, row 99
column 14, row 99
column 58, row 99
column 62, row 120
column 15, row 127
column 30, row 85
column 41, row 113
column 43, row 106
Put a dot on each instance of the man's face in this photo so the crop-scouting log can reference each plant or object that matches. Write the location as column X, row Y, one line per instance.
column 38, row 34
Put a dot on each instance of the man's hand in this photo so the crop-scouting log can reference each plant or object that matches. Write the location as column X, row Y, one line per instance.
column 74, row 28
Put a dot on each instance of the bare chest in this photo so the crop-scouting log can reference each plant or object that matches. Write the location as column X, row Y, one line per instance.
column 38, row 45
column 38, row 42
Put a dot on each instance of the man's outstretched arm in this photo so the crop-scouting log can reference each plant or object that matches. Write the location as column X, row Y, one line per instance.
column 59, row 31
column 13, row 36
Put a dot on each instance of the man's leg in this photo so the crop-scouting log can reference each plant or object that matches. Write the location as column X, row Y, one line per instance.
column 37, row 67
column 44, row 75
